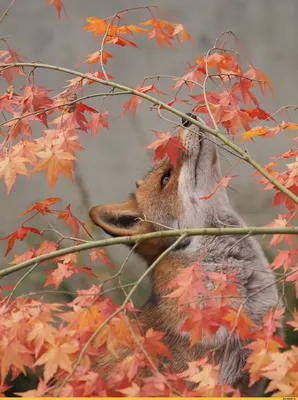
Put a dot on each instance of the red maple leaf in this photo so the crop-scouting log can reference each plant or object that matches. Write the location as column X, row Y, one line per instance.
column 94, row 253
column 19, row 234
column 166, row 145
column 58, row 4
column 43, row 206
column 98, row 121
column 72, row 221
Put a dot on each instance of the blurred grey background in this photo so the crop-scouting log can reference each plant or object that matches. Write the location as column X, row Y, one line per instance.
column 115, row 158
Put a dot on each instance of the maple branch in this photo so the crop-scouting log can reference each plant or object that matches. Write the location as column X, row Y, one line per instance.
column 157, row 102
column 67, row 104
column 122, row 307
column 128, row 240
column 6, row 11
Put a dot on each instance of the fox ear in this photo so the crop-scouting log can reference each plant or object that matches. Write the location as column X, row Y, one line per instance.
column 118, row 219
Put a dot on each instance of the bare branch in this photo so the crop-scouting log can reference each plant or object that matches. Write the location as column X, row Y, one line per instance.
column 127, row 240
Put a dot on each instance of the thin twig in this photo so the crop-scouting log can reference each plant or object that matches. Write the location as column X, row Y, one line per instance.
column 20, row 281
column 6, row 11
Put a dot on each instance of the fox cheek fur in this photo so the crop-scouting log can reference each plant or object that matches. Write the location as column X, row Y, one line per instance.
column 171, row 198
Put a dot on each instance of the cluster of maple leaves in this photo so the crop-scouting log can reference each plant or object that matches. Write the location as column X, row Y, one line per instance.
column 60, row 341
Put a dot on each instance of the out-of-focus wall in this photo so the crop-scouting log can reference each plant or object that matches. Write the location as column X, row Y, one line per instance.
column 114, row 159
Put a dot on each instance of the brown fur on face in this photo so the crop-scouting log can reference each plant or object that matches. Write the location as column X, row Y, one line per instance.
column 151, row 208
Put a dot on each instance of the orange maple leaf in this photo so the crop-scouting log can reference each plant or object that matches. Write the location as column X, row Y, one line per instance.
column 58, row 4
column 55, row 161
column 239, row 322
column 255, row 73
column 94, row 57
column 11, row 167
column 180, row 29
column 58, row 355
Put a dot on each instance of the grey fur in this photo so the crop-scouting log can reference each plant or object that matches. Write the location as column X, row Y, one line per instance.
column 199, row 176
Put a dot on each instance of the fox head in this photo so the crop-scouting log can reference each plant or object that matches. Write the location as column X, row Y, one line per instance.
column 168, row 197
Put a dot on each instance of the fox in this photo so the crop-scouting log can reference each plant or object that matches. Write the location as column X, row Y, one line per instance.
column 171, row 198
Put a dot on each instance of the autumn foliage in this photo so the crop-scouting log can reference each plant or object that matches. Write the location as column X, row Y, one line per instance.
column 58, row 341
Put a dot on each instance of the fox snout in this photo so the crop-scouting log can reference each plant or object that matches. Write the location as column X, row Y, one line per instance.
column 190, row 137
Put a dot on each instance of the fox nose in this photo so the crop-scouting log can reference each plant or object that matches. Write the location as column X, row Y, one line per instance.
column 139, row 182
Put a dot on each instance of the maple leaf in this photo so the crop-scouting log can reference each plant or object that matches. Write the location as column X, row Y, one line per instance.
column 166, row 145
column 239, row 322
column 244, row 86
column 255, row 73
column 233, row 118
column 273, row 320
column 7, row 101
column 99, row 75
column 94, row 253
column 285, row 259
column 36, row 98
column 19, row 234
column 120, row 41
column 132, row 391
column 11, row 56
column 41, row 332
column 260, row 356
column 19, row 126
column 162, row 32
column 23, row 257
column 65, row 140
column 153, row 344
column 46, row 247
column 57, row 356
column 190, row 284
column 180, row 29
column 55, row 161
column 86, row 298
column 256, row 131
column 96, row 56
column 98, row 121
column 11, row 167
column 72, row 221
column 259, row 113
column 42, row 207
column 58, row 4
column 223, row 182
column 13, row 354
column 280, row 222
column 294, row 322
column 189, row 79
column 205, row 321
column 96, row 25
column 63, row 271
column 132, row 104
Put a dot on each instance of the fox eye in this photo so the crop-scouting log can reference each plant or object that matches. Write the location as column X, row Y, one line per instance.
column 165, row 178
